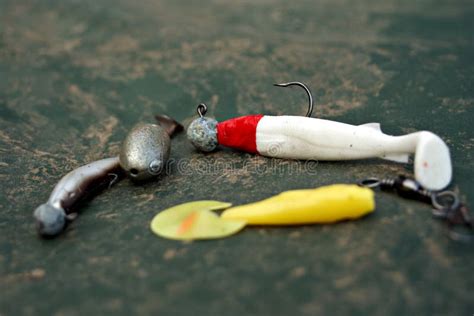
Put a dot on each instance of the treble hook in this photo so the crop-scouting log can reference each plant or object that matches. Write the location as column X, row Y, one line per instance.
column 308, row 92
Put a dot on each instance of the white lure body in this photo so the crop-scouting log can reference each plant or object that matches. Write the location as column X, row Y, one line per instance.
column 297, row 137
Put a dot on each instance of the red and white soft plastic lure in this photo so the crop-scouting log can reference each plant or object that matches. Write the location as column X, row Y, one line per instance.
column 298, row 137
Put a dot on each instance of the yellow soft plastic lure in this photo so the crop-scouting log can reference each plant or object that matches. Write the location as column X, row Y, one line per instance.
column 327, row 204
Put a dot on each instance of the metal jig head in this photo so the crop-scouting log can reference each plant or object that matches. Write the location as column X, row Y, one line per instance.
column 446, row 204
column 202, row 108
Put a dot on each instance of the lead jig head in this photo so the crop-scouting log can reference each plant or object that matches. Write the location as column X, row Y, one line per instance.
column 202, row 132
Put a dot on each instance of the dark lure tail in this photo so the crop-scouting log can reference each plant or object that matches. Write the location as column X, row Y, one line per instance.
column 170, row 125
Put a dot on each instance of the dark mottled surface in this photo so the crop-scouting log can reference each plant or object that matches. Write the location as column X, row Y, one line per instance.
column 75, row 76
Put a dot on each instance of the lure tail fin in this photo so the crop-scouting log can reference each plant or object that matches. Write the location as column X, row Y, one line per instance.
column 171, row 126
column 432, row 162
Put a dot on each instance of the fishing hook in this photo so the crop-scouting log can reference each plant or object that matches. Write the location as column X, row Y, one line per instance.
column 202, row 108
column 308, row 92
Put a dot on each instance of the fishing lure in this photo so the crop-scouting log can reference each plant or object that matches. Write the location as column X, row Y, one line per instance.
column 329, row 204
column 51, row 217
column 143, row 155
column 324, row 205
column 297, row 137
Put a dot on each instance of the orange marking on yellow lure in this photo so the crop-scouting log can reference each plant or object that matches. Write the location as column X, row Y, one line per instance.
column 187, row 223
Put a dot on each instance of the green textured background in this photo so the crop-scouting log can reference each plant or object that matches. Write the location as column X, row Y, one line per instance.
column 75, row 76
